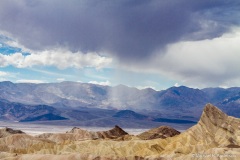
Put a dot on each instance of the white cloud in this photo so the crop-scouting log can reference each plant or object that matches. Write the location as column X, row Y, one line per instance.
column 8, row 76
column 60, row 79
column 29, row 81
column 60, row 58
column 105, row 83
column 176, row 85
column 14, row 43
column 145, row 87
column 210, row 62
column 3, row 74
column 50, row 73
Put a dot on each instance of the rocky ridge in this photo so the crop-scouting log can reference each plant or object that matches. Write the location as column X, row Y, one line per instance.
column 77, row 134
column 9, row 131
column 215, row 136
column 172, row 102
column 159, row 132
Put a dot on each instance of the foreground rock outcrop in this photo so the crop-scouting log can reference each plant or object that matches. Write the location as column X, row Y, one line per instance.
column 9, row 131
column 215, row 136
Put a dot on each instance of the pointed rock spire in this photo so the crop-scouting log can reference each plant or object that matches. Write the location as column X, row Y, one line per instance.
column 214, row 115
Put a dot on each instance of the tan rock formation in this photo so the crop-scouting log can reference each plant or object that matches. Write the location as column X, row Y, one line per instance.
column 78, row 134
column 159, row 132
column 215, row 132
column 111, row 134
column 9, row 131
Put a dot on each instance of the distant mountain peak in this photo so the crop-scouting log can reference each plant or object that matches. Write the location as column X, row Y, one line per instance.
column 6, row 83
column 129, row 114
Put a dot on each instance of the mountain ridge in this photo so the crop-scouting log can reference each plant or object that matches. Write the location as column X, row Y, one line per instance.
column 172, row 103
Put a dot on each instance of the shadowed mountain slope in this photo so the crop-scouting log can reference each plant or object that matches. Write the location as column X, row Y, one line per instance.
column 13, row 111
column 130, row 115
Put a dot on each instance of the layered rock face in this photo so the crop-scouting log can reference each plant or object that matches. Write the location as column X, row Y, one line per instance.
column 215, row 136
column 160, row 132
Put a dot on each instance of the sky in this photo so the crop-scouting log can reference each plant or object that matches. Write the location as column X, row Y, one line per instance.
column 138, row 43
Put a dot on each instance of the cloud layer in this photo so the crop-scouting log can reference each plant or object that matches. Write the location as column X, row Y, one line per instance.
column 59, row 58
column 2, row 74
column 131, row 30
column 200, row 63
column 192, row 42
column 105, row 83
column 29, row 81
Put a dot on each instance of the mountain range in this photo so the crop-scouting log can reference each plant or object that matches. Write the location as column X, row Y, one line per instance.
column 91, row 104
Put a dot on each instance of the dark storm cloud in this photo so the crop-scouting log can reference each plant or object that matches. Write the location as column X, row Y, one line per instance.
column 128, row 29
